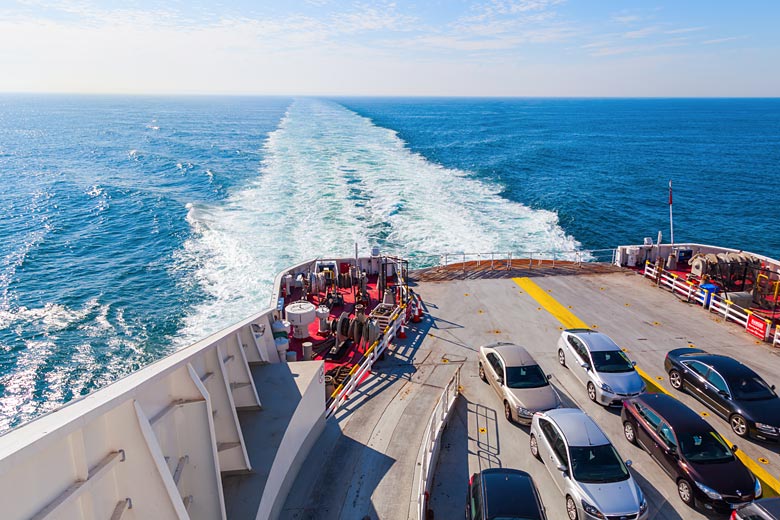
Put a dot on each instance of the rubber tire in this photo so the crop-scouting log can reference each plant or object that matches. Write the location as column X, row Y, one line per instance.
column 592, row 390
column 569, row 511
column 531, row 443
column 628, row 426
column 561, row 357
column 680, row 484
column 738, row 417
column 678, row 377
column 482, row 373
column 508, row 412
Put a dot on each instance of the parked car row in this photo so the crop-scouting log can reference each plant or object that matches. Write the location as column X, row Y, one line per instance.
column 583, row 463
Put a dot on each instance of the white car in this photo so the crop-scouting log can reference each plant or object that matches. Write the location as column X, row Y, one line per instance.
column 604, row 369
column 584, row 465
column 519, row 381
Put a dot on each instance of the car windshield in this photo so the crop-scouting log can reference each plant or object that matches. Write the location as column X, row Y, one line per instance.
column 530, row 376
column 611, row 361
column 597, row 464
column 751, row 388
column 704, row 447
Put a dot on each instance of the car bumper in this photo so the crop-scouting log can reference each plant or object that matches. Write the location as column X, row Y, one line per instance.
column 764, row 435
column 720, row 506
column 612, row 398
column 627, row 516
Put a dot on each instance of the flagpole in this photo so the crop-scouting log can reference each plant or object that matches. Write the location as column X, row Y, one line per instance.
column 671, row 218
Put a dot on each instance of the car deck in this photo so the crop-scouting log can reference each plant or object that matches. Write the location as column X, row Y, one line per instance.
column 364, row 464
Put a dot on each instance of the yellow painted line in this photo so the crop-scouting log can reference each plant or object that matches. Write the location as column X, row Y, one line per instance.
column 566, row 317
column 770, row 484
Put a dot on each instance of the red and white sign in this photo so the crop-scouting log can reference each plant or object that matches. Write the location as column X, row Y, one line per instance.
column 757, row 326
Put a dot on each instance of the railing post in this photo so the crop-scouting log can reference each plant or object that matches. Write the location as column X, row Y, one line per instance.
column 491, row 261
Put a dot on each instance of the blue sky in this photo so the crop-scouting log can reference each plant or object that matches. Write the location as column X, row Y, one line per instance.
column 446, row 48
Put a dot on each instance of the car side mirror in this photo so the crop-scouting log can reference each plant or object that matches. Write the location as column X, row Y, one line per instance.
column 724, row 394
column 628, row 463
column 549, row 376
column 562, row 468
column 633, row 363
column 500, row 380
column 734, row 448
column 585, row 366
column 772, row 387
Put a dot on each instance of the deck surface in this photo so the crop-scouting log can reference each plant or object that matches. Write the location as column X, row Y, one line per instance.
column 368, row 455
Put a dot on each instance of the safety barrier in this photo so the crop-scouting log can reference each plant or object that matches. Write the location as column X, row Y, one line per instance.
column 710, row 301
column 429, row 449
column 499, row 260
column 776, row 342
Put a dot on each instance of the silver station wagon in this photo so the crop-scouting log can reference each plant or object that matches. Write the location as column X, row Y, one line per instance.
column 585, row 466
column 597, row 361
column 518, row 380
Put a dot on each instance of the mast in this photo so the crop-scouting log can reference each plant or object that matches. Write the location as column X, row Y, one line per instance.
column 671, row 219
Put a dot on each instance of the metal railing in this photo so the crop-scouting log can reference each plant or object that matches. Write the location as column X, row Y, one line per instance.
column 429, row 449
column 504, row 259
column 710, row 301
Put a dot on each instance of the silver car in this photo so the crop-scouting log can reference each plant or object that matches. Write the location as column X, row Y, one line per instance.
column 597, row 361
column 518, row 380
column 585, row 466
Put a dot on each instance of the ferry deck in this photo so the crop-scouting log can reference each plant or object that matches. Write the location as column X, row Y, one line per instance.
column 364, row 465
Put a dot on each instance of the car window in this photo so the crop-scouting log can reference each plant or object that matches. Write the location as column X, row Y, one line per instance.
column 529, row 376
column 698, row 367
column 665, row 431
column 560, row 451
column 751, row 388
column 611, row 361
column 650, row 416
column 597, row 464
column 500, row 367
column 549, row 432
column 493, row 360
column 705, row 447
column 579, row 348
column 476, row 503
column 717, row 381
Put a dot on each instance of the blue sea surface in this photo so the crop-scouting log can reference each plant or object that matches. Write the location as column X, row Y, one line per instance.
column 132, row 226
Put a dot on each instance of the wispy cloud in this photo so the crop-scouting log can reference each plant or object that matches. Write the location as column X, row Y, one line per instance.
column 640, row 33
column 627, row 19
column 723, row 40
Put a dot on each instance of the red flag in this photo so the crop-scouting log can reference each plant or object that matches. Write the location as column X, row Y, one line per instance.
column 670, row 192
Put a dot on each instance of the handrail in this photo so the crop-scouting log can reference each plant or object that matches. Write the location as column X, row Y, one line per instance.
column 710, row 301
column 429, row 449
column 504, row 259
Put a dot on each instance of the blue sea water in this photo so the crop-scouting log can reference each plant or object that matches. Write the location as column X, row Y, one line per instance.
column 134, row 225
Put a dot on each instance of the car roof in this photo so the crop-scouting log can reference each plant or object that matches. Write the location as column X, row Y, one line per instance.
column 507, row 493
column 513, row 355
column 725, row 365
column 596, row 341
column 680, row 417
column 578, row 427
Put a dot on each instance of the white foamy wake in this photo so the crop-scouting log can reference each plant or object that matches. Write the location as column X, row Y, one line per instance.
column 330, row 179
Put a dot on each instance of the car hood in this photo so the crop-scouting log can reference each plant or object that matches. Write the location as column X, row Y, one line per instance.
column 766, row 411
column 726, row 478
column 623, row 382
column 613, row 498
column 535, row 399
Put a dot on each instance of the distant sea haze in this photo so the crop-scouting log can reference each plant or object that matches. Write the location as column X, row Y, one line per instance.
column 135, row 225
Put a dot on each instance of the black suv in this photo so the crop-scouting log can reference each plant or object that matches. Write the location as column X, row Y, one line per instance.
column 690, row 451
column 503, row 493
column 729, row 388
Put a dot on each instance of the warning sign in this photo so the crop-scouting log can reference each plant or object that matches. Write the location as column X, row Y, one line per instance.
column 757, row 326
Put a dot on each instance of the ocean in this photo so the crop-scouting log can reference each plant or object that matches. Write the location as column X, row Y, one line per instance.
column 132, row 226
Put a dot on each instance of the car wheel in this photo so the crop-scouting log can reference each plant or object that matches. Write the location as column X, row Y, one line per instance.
column 534, row 446
column 508, row 412
column 592, row 392
column 482, row 373
column 629, row 432
column 561, row 357
column 675, row 379
column 571, row 508
column 739, row 425
column 685, row 491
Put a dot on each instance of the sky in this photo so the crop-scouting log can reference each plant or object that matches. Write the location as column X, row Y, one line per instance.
column 403, row 48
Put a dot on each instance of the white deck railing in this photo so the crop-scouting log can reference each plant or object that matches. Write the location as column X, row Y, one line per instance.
column 429, row 450
column 710, row 301
column 505, row 259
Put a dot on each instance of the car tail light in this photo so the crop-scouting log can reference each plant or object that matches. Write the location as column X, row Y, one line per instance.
column 471, row 479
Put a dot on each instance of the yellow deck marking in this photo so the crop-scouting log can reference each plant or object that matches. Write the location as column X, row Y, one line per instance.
column 762, row 460
column 567, row 319
column 483, row 430
column 570, row 321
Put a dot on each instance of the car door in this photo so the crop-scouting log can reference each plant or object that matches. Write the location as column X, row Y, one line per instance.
column 717, row 393
column 648, row 426
column 475, row 499
column 693, row 376
column 550, row 442
column 492, row 372
column 668, row 452
column 579, row 357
